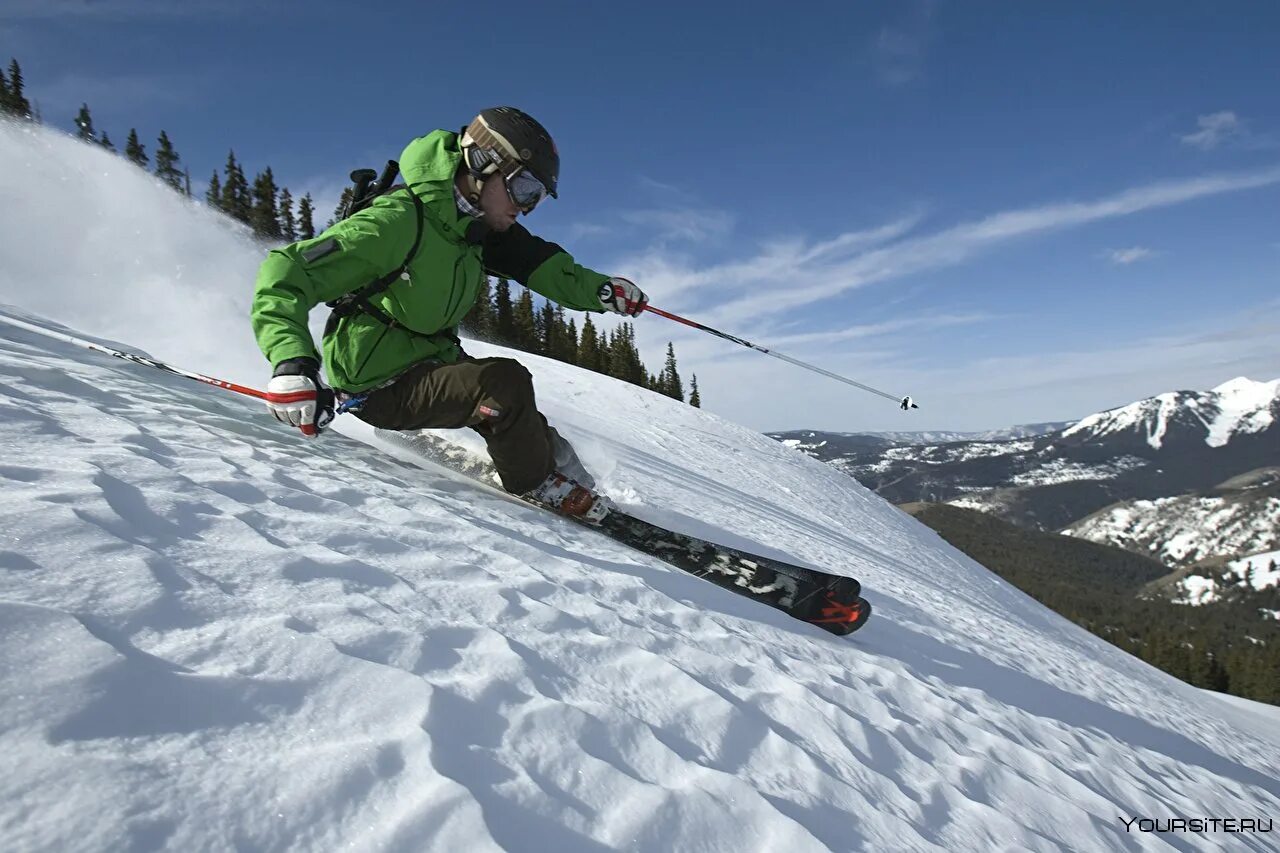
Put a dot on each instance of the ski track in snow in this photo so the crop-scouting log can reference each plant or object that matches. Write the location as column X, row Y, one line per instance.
column 215, row 634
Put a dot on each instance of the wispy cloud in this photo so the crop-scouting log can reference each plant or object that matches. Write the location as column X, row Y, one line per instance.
column 1225, row 129
column 1202, row 357
column 1131, row 255
column 583, row 230
column 898, row 52
column 869, row 330
column 687, row 224
column 1214, row 129
column 664, row 192
column 790, row 275
column 1057, row 383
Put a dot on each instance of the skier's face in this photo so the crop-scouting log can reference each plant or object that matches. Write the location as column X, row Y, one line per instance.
column 499, row 210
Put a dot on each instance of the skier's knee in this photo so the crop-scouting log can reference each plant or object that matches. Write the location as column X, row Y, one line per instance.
column 508, row 381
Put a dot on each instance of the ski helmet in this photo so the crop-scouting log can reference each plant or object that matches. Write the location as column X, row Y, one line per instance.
column 506, row 140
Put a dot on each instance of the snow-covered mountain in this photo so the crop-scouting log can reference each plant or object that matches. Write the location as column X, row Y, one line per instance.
column 1237, row 520
column 828, row 445
column 1239, row 407
column 217, row 635
column 1169, row 445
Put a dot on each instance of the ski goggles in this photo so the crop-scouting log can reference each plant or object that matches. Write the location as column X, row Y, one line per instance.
column 525, row 190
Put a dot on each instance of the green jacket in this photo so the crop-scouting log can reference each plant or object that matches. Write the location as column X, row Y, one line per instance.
column 445, row 275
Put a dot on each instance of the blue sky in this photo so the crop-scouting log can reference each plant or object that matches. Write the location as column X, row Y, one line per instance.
column 1013, row 212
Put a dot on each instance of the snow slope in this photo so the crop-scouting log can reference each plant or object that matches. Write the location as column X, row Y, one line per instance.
column 216, row 635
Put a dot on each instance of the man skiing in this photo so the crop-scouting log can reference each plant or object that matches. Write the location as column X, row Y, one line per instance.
column 401, row 274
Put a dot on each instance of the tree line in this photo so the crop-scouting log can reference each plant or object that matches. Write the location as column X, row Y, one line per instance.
column 542, row 329
column 269, row 210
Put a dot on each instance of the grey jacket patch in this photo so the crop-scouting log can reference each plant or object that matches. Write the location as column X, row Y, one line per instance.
column 321, row 250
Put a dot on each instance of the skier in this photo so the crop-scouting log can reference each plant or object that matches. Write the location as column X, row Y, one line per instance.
column 391, row 347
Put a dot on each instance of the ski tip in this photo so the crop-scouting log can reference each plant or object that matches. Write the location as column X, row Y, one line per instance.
column 841, row 619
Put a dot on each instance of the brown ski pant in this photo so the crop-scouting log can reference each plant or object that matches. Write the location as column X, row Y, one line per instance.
column 493, row 396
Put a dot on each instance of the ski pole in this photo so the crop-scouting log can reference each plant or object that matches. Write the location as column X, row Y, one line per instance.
column 903, row 402
column 159, row 365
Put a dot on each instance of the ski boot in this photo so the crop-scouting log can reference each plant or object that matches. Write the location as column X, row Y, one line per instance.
column 571, row 498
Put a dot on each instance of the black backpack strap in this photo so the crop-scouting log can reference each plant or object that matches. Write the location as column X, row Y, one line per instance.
column 358, row 301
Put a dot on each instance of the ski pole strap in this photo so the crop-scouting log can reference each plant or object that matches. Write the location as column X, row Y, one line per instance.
column 350, row 402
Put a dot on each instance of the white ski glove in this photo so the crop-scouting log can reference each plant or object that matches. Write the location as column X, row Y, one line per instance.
column 621, row 296
column 299, row 397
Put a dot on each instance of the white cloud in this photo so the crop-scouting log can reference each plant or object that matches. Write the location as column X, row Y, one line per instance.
column 898, row 52
column 655, row 186
column 789, row 275
column 582, row 230
column 689, row 224
column 962, row 393
column 1133, row 254
column 1214, row 129
column 868, row 330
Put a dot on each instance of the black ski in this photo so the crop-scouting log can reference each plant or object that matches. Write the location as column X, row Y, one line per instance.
column 832, row 602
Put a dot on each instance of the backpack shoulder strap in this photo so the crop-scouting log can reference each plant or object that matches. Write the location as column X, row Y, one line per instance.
column 358, row 300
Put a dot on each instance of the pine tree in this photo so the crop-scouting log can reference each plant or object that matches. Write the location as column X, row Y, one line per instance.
column 526, row 324
column 265, row 218
column 105, row 142
column 133, row 150
column 549, row 335
column 6, row 97
column 570, row 351
column 671, row 384
column 343, row 201
column 16, row 103
column 504, row 314
column 288, row 230
column 695, row 399
column 186, row 182
column 624, row 359
column 167, row 160
column 84, row 124
column 589, row 346
column 634, row 370
column 610, row 359
column 603, row 342
column 213, row 197
column 306, row 223
column 478, row 323
column 237, row 201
